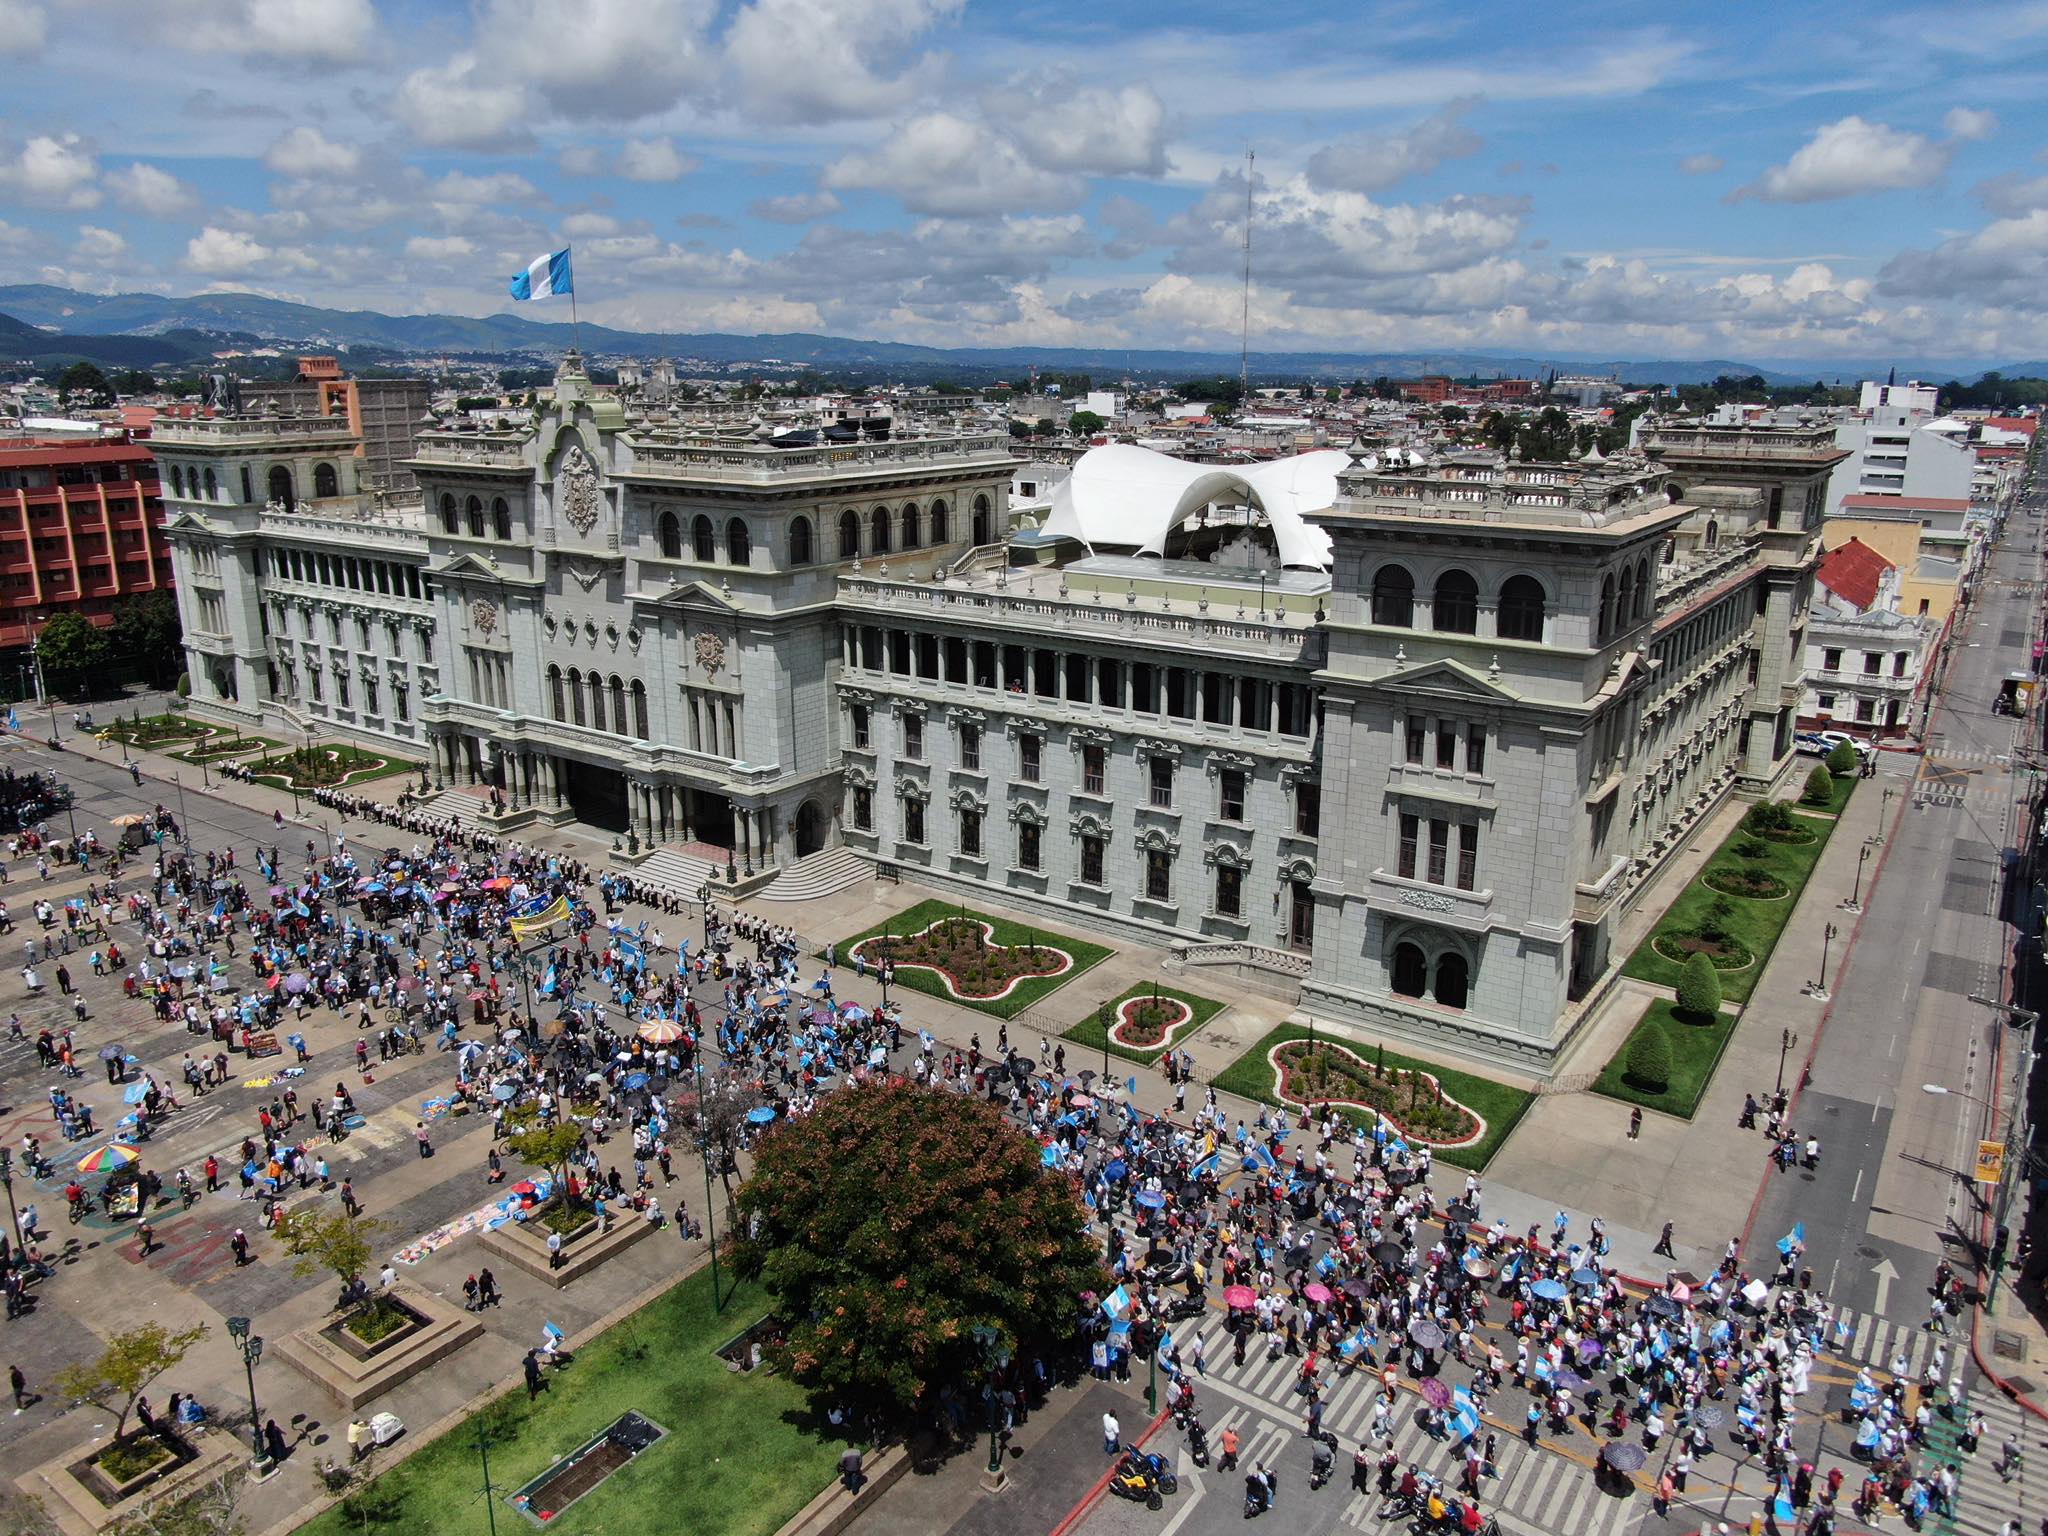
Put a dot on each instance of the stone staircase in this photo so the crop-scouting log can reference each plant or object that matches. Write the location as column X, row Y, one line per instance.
column 469, row 810
column 820, row 874
column 678, row 872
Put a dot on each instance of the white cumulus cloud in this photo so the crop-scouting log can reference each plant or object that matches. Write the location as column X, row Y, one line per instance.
column 1968, row 124
column 216, row 251
column 458, row 106
column 816, row 61
column 439, row 247
column 148, row 189
column 654, row 160
column 52, row 171
column 943, row 163
column 1374, row 162
column 24, row 28
column 1850, row 157
column 308, row 31
column 604, row 60
column 306, row 151
column 1063, row 125
column 795, row 207
column 99, row 244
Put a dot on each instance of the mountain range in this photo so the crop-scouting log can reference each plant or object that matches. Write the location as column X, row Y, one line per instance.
column 142, row 329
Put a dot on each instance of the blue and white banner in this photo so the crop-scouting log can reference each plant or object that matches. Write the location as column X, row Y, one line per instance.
column 543, row 276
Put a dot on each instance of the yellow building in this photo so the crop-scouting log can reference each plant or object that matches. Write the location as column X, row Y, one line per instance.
column 1924, row 536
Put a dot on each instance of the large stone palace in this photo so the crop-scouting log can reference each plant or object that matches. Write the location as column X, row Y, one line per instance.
column 1405, row 729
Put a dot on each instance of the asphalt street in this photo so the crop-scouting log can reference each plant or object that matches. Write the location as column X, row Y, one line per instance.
column 1891, row 1194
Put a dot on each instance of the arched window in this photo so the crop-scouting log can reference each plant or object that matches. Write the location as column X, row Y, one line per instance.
column 639, row 709
column 575, row 696
column 671, row 528
column 982, row 529
column 1520, row 615
column 1393, row 596
column 1411, row 970
column 849, row 535
column 177, row 480
column 878, row 531
column 1670, row 550
column 281, row 486
column 597, row 701
column 501, row 519
column 800, row 552
column 703, row 539
column 1713, row 533
column 326, row 482
column 555, row 692
column 451, row 521
column 739, row 548
column 911, row 528
column 618, row 706
column 1606, row 607
column 1453, row 979
column 939, row 531
column 1625, row 598
column 1454, row 607
column 1644, row 590
column 212, row 486
column 473, row 516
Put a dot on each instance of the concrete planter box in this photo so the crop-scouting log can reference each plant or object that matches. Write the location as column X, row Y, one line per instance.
column 83, row 1501
column 353, row 1372
column 525, row 1245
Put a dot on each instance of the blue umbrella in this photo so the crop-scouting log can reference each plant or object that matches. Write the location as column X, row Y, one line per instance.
column 135, row 1093
column 1585, row 1277
column 636, row 1079
column 1115, row 1170
column 1151, row 1199
column 505, row 1091
column 760, row 1116
column 1549, row 1290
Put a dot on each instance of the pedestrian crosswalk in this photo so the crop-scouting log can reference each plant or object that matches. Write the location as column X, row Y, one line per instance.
column 1987, row 1499
column 1902, row 1349
column 1533, row 1491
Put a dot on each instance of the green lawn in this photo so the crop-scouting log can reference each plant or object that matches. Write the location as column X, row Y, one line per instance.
column 743, row 1453
column 1089, row 1033
column 1756, row 924
column 1034, row 990
column 1695, row 1052
column 1251, row 1077
column 215, row 747
column 359, row 767
column 151, row 730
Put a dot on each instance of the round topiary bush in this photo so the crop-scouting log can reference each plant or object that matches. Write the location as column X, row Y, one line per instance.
column 1843, row 760
column 1699, row 990
column 1649, row 1059
column 1820, row 787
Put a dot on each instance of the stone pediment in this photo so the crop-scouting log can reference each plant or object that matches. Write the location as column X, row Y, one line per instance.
column 469, row 563
column 1448, row 679
column 187, row 521
column 689, row 595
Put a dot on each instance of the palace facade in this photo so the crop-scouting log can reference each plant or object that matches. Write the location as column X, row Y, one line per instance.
column 1404, row 731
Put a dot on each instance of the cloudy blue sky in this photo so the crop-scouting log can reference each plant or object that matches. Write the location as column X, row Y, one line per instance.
column 1795, row 180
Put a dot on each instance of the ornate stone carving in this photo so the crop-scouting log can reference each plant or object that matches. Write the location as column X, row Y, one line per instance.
column 580, row 499
column 710, row 649
column 1428, row 901
column 484, row 615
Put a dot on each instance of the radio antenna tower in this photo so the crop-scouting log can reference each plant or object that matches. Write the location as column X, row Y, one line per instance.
column 1244, row 330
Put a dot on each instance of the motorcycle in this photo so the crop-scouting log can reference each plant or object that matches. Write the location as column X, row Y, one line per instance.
column 1181, row 1308
column 1198, row 1442
column 1144, row 1478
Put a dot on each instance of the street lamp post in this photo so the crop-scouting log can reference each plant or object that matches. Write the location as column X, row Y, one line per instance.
column 7, row 1183
column 251, row 1347
column 2017, row 1138
column 994, row 1358
column 704, row 1152
column 1787, row 1039
column 1855, row 901
column 184, row 822
column 35, row 649
column 1820, row 987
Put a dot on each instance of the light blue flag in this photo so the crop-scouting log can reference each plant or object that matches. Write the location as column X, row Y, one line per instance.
column 1796, row 1235
column 544, row 275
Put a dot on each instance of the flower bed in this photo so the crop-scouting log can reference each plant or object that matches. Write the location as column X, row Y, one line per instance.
column 971, row 939
column 151, row 729
column 308, row 768
column 216, row 745
column 1751, row 885
column 1722, row 954
column 1134, row 1031
column 1412, row 1102
column 963, row 953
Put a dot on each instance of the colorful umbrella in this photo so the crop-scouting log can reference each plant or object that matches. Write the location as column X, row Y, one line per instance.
column 1436, row 1392
column 115, row 1154
column 1239, row 1297
column 1318, row 1292
column 661, row 1032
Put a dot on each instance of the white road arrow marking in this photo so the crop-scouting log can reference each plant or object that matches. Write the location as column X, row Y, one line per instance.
column 1194, row 1481
column 1885, row 1276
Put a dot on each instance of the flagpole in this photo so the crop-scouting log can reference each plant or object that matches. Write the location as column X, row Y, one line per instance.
column 575, row 326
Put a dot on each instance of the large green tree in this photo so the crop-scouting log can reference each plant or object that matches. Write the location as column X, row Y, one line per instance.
column 71, row 649
column 893, row 1223
column 83, row 384
column 124, row 1369
column 148, row 633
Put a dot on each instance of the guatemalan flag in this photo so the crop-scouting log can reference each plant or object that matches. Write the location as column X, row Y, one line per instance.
column 543, row 276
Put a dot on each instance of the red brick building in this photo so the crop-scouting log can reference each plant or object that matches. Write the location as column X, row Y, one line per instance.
column 81, row 527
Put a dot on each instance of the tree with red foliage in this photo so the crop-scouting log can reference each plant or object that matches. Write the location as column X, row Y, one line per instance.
column 895, row 1221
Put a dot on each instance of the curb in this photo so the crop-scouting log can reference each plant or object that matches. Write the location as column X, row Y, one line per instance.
column 1094, row 1495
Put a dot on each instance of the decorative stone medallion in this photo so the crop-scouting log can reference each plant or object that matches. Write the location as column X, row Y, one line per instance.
column 484, row 615
column 710, row 650
column 581, row 502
